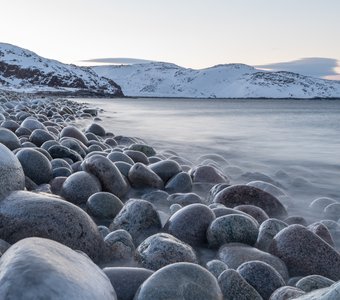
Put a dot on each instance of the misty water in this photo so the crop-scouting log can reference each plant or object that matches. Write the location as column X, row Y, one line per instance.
column 294, row 144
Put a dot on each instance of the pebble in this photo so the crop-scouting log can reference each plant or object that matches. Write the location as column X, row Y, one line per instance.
column 9, row 139
column 305, row 253
column 166, row 169
column 235, row 287
column 137, row 156
column 243, row 194
column 26, row 214
column 232, row 229
column 104, row 205
column 140, row 176
column 108, row 174
column 180, row 281
column 146, row 149
column 256, row 212
column 190, row 224
column 78, row 187
column 216, row 267
column 286, row 293
column 180, row 183
column 207, row 174
column 41, row 268
column 235, row 254
column 184, row 199
column 12, row 176
column 162, row 249
column 319, row 204
column 96, row 129
column 119, row 244
column 35, row 165
column 71, row 131
column 263, row 277
column 313, row 282
column 40, row 136
column 116, row 156
column 139, row 218
column 322, row 231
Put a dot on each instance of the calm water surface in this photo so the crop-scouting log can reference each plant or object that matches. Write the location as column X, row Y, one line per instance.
column 296, row 143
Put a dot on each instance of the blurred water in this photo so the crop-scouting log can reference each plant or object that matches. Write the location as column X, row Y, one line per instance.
column 294, row 142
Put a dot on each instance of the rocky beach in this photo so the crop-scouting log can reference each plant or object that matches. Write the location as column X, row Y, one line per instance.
column 90, row 214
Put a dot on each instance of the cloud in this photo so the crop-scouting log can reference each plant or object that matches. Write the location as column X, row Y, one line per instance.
column 311, row 66
column 118, row 60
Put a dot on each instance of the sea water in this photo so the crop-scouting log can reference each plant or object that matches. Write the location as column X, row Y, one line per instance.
column 294, row 144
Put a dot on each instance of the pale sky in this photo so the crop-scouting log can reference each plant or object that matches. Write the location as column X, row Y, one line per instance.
column 190, row 33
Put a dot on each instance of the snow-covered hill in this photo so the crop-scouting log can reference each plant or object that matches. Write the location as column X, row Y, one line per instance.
column 158, row 79
column 24, row 71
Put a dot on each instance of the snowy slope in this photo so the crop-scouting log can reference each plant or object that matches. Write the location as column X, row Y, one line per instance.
column 23, row 70
column 158, row 79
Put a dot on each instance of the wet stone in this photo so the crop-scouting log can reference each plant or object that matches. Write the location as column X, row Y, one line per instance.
column 243, row 194
column 235, row 287
column 163, row 249
column 232, row 229
column 313, row 282
column 184, row 199
column 166, row 169
column 216, row 267
column 263, row 277
column 180, row 183
column 140, row 176
column 256, row 212
column 120, row 244
column 180, row 281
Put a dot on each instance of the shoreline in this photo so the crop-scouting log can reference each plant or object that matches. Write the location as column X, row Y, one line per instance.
column 129, row 198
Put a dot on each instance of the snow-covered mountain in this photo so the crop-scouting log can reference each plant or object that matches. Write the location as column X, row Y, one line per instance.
column 159, row 79
column 24, row 71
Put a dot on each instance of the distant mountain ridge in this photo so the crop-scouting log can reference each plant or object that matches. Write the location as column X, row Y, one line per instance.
column 22, row 70
column 157, row 79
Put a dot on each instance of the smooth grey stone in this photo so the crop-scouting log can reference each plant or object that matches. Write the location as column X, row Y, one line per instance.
column 332, row 211
column 162, row 249
column 166, row 169
column 261, row 276
column 9, row 139
column 267, row 187
column 319, row 204
column 322, row 231
column 154, row 159
column 313, row 282
column 140, row 176
column 36, row 268
column 60, row 163
column 40, row 136
column 56, row 184
column 224, row 211
column 268, row 229
column 256, row 212
column 180, row 183
column 139, row 218
column 78, row 187
column 35, row 165
column 71, row 131
column 216, row 267
column 111, row 142
column 91, row 136
column 305, row 253
column 94, row 148
column 26, row 144
column 96, row 129
column 10, row 125
column 235, row 254
column 190, row 224
column 120, row 244
column 208, row 174
column 75, row 145
column 330, row 293
column 53, row 130
column 137, row 156
column 22, row 131
column 49, row 144
column 232, row 229
column 116, row 156
column 26, row 214
column 109, row 176
column 59, row 151
column 32, row 123
column 243, row 194
column 127, row 280
column 12, row 176
column 235, row 287
column 103, row 205
column 90, row 111
column 286, row 293
column 123, row 167
column 184, row 199
column 180, row 281
column 146, row 149
column 215, row 190
column 174, row 208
